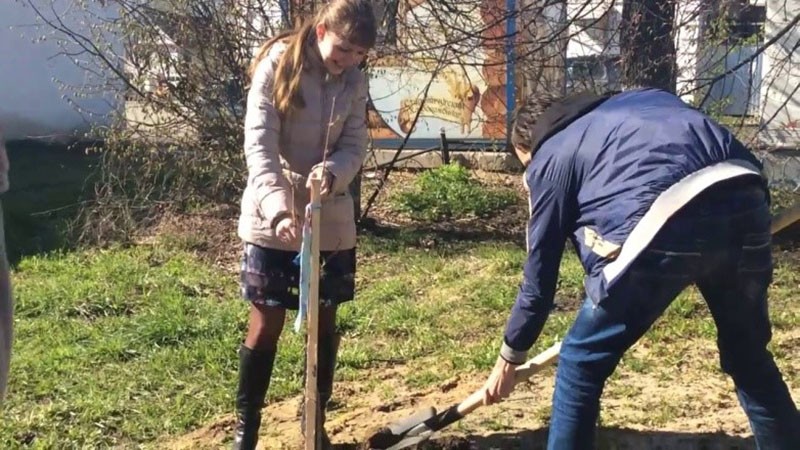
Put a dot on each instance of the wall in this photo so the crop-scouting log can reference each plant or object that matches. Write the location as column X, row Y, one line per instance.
column 465, row 97
column 780, row 87
column 31, row 98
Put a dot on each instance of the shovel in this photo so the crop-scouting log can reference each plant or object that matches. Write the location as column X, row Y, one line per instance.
column 422, row 424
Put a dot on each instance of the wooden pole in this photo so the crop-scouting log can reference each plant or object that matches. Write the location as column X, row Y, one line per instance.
column 313, row 437
column 445, row 149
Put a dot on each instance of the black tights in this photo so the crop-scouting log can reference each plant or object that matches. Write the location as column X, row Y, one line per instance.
column 266, row 324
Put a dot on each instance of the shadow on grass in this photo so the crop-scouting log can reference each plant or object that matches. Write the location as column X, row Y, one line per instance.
column 788, row 239
column 443, row 237
column 607, row 439
column 508, row 227
column 48, row 185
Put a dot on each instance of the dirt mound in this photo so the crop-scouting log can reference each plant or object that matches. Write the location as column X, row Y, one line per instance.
column 517, row 423
column 357, row 413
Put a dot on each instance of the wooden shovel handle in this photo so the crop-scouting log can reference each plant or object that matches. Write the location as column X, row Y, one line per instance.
column 523, row 372
column 537, row 363
column 313, row 438
column 785, row 218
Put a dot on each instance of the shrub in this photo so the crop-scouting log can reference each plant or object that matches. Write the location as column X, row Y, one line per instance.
column 449, row 192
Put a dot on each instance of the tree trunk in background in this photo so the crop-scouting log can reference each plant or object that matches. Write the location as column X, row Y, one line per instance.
column 552, row 30
column 301, row 9
column 543, row 50
column 355, row 191
column 647, row 45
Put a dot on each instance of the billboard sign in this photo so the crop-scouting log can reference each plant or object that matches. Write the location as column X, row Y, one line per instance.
column 446, row 65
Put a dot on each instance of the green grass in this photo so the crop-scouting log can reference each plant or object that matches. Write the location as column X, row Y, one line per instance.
column 121, row 346
column 450, row 192
column 126, row 345
column 114, row 346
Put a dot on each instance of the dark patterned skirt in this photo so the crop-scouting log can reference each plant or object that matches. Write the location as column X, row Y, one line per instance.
column 271, row 277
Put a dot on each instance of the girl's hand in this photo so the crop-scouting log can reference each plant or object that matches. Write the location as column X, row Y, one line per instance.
column 286, row 230
column 319, row 173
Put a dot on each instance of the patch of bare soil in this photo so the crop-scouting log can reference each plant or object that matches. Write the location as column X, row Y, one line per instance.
column 707, row 415
column 357, row 412
column 211, row 234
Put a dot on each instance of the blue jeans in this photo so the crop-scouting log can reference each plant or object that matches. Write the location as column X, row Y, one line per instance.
column 721, row 242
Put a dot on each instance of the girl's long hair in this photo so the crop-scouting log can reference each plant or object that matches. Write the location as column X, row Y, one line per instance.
column 352, row 20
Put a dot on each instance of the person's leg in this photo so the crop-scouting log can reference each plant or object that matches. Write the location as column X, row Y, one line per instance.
column 327, row 350
column 6, row 300
column 337, row 285
column 264, row 284
column 256, row 360
column 600, row 336
column 736, row 293
column 264, row 328
column 6, row 313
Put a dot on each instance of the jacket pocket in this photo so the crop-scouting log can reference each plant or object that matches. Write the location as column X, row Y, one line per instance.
column 337, row 211
column 600, row 246
column 251, row 208
column 756, row 254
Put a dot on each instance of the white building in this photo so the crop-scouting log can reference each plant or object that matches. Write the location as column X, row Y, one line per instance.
column 780, row 89
column 765, row 86
column 36, row 77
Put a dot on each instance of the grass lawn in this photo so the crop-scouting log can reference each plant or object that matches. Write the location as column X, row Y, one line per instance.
column 121, row 346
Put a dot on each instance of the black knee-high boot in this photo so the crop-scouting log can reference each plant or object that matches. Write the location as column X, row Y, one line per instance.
column 327, row 351
column 255, row 371
column 325, row 370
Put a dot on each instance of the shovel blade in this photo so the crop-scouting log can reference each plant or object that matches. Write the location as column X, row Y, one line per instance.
column 402, row 427
column 408, row 442
column 396, row 435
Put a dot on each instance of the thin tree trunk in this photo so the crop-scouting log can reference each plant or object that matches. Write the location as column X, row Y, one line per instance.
column 648, row 47
column 355, row 191
column 553, row 29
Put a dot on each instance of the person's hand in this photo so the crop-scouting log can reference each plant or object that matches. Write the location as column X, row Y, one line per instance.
column 286, row 230
column 319, row 173
column 500, row 383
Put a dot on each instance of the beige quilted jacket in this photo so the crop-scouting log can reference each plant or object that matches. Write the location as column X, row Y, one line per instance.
column 281, row 154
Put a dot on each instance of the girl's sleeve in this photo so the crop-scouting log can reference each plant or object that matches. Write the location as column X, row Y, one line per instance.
column 262, row 127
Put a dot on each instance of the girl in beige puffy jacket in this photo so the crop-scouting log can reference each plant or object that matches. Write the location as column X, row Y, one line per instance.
column 300, row 80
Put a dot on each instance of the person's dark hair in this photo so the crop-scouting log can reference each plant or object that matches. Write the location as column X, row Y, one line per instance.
column 527, row 116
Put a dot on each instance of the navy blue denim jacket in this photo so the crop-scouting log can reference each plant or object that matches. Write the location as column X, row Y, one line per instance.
column 592, row 181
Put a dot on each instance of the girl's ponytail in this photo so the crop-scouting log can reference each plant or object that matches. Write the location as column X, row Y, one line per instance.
column 286, row 95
